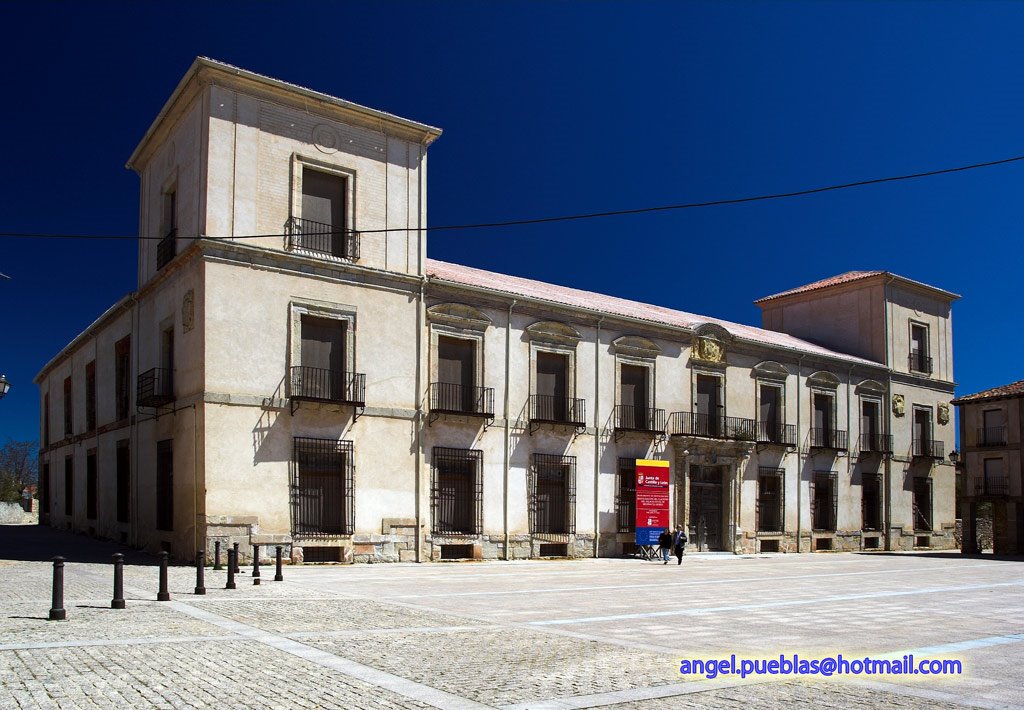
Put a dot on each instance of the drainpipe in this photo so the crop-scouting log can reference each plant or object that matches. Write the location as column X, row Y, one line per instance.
column 597, row 439
column 849, row 431
column 195, row 480
column 887, row 474
column 508, row 445
column 799, row 457
column 134, row 425
column 418, row 424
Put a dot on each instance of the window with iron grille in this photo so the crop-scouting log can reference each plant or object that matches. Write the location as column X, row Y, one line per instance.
column 553, row 494
column 825, row 500
column 922, row 503
column 91, row 486
column 164, row 485
column 771, row 499
column 323, row 501
column 90, row 396
column 457, row 491
column 625, row 500
column 871, row 501
column 124, row 482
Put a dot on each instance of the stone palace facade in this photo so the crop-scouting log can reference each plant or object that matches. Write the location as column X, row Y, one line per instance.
column 294, row 370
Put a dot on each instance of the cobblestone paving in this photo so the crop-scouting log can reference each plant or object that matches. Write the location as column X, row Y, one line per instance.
column 517, row 635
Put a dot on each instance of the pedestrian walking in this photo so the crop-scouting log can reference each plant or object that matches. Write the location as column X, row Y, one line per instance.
column 665, row 544
column 679, row 543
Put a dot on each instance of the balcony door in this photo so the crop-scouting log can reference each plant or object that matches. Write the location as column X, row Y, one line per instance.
column 769, row 411
column 633, row 396
column 552, row 386
column 992, row 433
column 323, row 209
column 870, row 440
column 708, row 406
column 323, row 359
column 823, row 419
column 922, row 431
column 456, row 373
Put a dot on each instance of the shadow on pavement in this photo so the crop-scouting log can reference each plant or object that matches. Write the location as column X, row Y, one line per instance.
column 947, row 555
column 41, row 543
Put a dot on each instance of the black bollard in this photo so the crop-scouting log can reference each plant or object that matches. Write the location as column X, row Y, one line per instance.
column 278, row 577
column 200, row 570
column 118, row 601
column 163, row 595
column 231, row 570
column 57, row 612
column 216, row 554
column 255, row 564
column 235, row 547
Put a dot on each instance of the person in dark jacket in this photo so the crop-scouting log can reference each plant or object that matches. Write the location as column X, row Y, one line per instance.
column 665, row 545
column 679, row 543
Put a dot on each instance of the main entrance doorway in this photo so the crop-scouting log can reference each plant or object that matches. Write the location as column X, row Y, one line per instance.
column 705, row 521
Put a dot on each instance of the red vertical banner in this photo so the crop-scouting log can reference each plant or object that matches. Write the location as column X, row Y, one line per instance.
column 651, row 500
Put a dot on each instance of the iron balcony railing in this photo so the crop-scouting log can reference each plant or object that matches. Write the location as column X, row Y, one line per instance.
column 992, row 486
column 166, row 248
column 919, row 362
column 330, row 239
column 875, row 443
column 992, row 436
column 774, row 433
column 631, row 418
column 828, row 439
column 928, row 448
column 452, row 398
column 713, row 426
column 155, row 388
column 557, row 410
column 322, row 385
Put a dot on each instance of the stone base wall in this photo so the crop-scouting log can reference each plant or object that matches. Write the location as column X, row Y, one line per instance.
column 906, row 540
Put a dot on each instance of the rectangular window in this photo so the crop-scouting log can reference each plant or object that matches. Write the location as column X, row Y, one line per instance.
column 167, row 247
column 90, row 396
column 993, row 481
column 323, row 360
column 69, row 486
column 625, row 499
column 923, row 444
column 923, row 503
column 633, row 412
column 769, row 414
column 771, row 506
column 323, row 226
column 165, row 485
column 553, row 494
column 825, row 501
column 920, row 361
column 46, row 419
column 322, row 487
column 709, row 409
column 90, row 484
column 68, row 410
column 551, row 399
column 45, row 492
column 871, row 501
column 457, row 491
column 124, row 482
column 456, row 374
column 122, row 377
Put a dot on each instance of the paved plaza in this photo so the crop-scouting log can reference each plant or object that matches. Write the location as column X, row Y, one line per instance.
column 540, row 634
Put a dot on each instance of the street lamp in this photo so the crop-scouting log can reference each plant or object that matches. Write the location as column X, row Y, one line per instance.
column 4, row 386
column 954, row 457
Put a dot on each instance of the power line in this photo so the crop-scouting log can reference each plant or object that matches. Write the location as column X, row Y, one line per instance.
column 571, row 217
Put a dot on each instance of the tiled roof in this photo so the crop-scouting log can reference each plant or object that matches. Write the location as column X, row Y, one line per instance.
column 1015, row 389
column 824, row 283
column 528, row 288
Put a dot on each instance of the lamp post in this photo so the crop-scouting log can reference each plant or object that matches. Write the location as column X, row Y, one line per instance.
column 5, row 386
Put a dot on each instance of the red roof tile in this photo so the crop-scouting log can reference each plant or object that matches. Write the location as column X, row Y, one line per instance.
column 824, row 283
column 517, row 286
column 1015, row 389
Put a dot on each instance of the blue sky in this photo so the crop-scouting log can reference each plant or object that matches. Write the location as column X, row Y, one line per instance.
column 554, row 108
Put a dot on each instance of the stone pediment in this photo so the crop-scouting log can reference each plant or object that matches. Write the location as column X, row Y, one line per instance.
column 636, row 345
column 871, row 387
column 769, row 370
column 549, row 331
column 459, row 315
column 823, row 379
